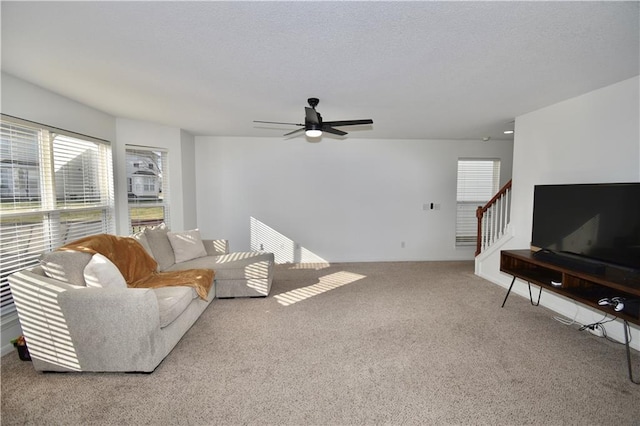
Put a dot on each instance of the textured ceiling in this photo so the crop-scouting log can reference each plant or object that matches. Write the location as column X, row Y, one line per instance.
column 453, row 70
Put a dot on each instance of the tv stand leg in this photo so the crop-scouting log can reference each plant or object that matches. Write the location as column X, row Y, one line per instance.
column 531, row 297
column 509, row 291
column 626, row 344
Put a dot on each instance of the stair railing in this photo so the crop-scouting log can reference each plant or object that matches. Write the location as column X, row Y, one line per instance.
column 493, row 218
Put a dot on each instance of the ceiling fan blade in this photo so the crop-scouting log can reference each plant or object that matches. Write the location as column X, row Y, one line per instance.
column 347, row 122
column 311, row 116
column 295, row 131
column 333, row 131
column 277, row 122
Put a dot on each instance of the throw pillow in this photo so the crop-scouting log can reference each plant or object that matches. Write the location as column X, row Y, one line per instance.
column 141, row 237
column 161, row 248
column 65, row 265
column 101, row 272
column 186, row 245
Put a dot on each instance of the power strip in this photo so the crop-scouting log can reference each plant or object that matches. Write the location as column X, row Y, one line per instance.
column 596, row 331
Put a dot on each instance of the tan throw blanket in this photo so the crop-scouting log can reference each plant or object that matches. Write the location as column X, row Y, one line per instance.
column 138, row 268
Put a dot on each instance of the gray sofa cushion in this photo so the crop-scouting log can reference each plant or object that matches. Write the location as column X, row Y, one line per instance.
column 232, row 266
column 172, row 301
column 66, row 266
column 142, row 239
column 186, row 245
column 160, row 246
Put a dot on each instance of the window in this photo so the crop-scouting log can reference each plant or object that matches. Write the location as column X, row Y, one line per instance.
column 147, row 183
column 478, row 181
column 55, row 187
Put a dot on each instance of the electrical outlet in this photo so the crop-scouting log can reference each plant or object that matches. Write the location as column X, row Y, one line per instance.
column 596, row 331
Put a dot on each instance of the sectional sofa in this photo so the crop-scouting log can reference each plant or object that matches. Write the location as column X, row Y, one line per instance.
column 78, row 313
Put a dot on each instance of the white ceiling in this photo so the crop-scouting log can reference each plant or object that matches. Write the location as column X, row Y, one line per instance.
column 420, row 70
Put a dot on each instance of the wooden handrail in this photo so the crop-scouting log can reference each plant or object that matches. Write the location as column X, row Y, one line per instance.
column 499, row 194
column 482, row 209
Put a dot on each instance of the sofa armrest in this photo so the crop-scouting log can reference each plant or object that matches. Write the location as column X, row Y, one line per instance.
column 70, row 328
column 216, row 247
column 114, row 329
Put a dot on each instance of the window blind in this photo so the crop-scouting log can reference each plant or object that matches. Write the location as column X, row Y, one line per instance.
column 478, row 181
column 55, row 187
column 147, row 186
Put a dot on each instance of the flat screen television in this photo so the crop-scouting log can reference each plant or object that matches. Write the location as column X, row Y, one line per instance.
column 597, row 223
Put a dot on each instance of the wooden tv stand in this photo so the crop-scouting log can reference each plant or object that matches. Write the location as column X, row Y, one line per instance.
column 584, row 287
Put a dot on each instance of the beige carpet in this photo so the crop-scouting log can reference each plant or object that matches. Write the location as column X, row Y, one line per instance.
column 363, row 343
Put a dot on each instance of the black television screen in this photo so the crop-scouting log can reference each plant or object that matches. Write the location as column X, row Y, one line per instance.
column 596, row 221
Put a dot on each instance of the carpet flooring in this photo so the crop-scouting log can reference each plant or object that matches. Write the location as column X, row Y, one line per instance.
column 392, row 343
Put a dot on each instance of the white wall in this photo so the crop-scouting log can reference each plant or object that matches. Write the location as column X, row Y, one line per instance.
column 181, row 198
column 30, row 102
column 588, row 139
column 188, row 150
column 336, row 200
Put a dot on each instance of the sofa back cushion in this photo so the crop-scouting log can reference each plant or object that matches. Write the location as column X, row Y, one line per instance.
column 161, row 248
column 66, row 266
column 141, row 237
column 186, row 245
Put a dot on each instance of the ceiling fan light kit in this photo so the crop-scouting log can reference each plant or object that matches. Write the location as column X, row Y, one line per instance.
column 313, row 133
column 313, row 125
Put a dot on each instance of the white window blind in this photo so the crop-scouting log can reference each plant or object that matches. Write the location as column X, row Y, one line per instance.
column 147, row 186
column 55, row 187
column 478, row 181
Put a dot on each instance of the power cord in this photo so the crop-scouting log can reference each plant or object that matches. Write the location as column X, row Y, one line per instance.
column 566, row 321
column 599, row 325
column 596, row 326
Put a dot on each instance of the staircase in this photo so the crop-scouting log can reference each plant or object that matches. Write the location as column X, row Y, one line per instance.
column 493, row 218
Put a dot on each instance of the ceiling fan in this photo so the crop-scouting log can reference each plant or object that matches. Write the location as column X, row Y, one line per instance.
column 313, row 124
